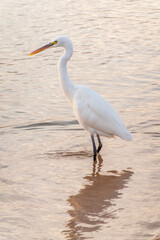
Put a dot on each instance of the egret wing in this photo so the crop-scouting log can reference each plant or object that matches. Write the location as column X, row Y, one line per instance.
column 94, row 112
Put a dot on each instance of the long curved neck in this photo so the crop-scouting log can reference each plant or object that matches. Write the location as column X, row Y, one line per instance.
column 66, row 83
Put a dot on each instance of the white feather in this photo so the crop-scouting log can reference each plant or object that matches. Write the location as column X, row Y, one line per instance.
column 96, row 115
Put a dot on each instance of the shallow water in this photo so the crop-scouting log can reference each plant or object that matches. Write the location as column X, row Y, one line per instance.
column 49, row 186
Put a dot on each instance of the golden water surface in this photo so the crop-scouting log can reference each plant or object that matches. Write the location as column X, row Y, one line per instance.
column 49, row 187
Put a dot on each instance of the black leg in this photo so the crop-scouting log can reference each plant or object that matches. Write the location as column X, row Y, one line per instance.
column 100, row 144
column 94, row 148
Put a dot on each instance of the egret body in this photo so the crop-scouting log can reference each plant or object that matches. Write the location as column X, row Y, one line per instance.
column 92, row 111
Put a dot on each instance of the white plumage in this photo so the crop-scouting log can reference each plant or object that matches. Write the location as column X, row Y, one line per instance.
column 92, row 111
column 96, row 115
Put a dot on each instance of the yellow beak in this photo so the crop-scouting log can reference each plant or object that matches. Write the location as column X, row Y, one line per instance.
column 41, row 49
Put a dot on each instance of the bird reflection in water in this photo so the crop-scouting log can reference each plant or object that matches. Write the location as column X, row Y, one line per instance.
column 90, row 207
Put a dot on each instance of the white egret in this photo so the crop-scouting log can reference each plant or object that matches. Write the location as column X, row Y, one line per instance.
column 92, row 111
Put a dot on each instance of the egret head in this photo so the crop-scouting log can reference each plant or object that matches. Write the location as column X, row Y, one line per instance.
column 60, row 41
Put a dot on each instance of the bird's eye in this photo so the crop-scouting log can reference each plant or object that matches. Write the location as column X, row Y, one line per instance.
column 54, row 43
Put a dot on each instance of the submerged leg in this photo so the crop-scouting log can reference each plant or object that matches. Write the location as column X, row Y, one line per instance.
column 100, row 144
column 94, row 148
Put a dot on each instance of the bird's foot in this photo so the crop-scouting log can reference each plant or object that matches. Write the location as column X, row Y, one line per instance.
column 94, row 157
column 100, row 144
column 99, row 148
